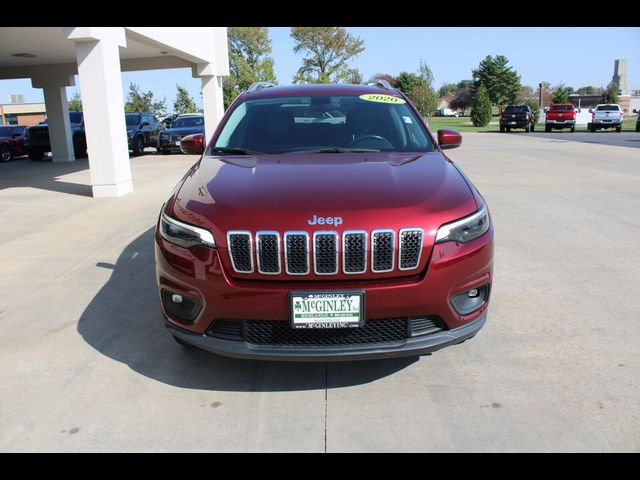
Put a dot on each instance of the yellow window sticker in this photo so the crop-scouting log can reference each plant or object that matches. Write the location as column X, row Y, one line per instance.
column 374, row 97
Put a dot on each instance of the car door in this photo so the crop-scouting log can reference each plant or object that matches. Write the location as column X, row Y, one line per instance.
column 16, row 141
column 154, row 130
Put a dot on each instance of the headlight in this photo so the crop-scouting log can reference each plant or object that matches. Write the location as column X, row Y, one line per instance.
column 183, row 234
column 466, row 229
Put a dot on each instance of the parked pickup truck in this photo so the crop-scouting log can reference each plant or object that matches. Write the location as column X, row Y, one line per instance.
column 36, row 138
column 606, row 115
column 517, row 116
column 559, row 116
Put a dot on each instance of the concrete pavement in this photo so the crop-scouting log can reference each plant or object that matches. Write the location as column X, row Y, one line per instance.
column 86, row 365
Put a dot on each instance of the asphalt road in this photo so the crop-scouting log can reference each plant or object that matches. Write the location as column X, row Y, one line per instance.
column 601, row 137
column 86, row 365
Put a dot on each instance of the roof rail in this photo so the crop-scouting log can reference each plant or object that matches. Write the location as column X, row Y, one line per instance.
column 259, row 86
column 380, row 82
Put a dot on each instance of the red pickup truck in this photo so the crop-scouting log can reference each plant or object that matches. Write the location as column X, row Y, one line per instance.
column 559, row 116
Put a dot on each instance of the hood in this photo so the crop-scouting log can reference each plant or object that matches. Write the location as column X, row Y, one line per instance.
column 184, row 130
column 283, row 192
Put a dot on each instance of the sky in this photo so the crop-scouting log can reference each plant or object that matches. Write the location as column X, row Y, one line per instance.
column 575, row 56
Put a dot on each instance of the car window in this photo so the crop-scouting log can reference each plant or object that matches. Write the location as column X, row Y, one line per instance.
column 324, row 122
column 188, row 122
column 516, row 109
column 608, row 108
column 132, row 119
column 562, row 107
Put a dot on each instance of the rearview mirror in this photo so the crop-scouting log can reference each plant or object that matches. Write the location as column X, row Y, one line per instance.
column 192, row 144
column 449, row 139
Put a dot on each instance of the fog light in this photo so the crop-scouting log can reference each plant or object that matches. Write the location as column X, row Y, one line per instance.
column 181, row 306
column 466, row 302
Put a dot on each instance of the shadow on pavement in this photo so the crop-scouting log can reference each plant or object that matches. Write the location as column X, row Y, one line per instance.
column 44, row 175
column 124, row 322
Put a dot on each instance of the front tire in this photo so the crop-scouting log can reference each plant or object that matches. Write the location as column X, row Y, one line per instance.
column 138, row 147
column 5, row 153
column 36, row 155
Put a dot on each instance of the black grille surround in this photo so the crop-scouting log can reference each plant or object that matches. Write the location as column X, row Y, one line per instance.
column 354, row 251
column 325, row 253
column 297, row 253
column 240, row 251
column 268, row 252
column 329, row 252
column 410, row 248
column 274, row 333
column 382, row 250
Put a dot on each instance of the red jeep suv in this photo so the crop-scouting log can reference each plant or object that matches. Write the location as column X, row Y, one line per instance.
column 324, row 222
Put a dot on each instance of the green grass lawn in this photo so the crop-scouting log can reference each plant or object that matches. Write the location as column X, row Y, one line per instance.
column 463, row 124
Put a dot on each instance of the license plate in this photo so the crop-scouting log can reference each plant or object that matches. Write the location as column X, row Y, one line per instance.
column 512, row 123
column 326, row 309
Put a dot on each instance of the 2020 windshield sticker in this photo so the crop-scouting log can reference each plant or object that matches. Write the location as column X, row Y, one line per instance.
column 374, row 97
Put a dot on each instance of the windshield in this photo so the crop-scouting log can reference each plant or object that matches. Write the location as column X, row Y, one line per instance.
column 516, row 108
column 133, row 119
column 326, row 123
column 188, row 122
column 75, row 117
column 561, row 107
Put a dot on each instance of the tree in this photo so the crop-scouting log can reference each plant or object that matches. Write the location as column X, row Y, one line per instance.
column 142, row 102
column 501, row 81
column 406, row 81
column 447, row 89
column 353, row 76
column 611, row 93
column 184, row 103
column 327, row 51
column 462, row 96
column 384, row 76
column 560, row 94
column 250, row 60
column 75, row 104
column 419, row 88
column 481, row 107
column 589, row 90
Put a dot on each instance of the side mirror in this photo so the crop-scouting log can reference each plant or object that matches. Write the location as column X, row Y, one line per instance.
column 591, row 110
column 635, row 110
column 449, row 139
column 546, row 109
column 192, row 144
column 579, row 110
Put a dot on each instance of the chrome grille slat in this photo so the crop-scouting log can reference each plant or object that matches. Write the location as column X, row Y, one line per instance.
column 296, row 253
column 410, row 247
column 268, row 252
column 382, row 250
column 325, row 253
column 240, row 250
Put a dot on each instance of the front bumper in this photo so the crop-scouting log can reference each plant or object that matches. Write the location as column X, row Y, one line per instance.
column 411, row 347
column 198, row 273
column 168, row 144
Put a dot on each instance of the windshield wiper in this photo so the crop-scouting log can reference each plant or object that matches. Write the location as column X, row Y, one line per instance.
column 337, row 150
column 235, row 151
